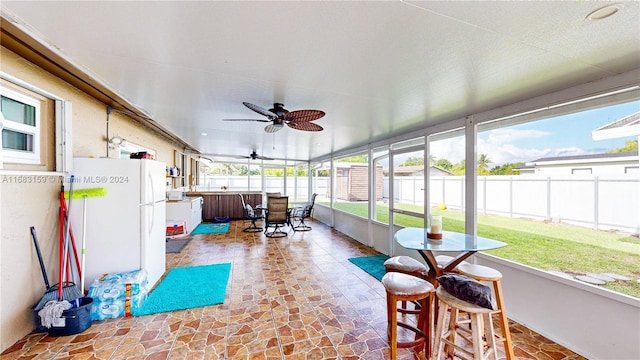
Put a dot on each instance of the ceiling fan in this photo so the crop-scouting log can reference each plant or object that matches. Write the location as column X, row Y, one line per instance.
column 279, row 116
column 255, row 156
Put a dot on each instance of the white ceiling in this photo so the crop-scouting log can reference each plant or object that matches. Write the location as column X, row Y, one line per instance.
column 377, row 69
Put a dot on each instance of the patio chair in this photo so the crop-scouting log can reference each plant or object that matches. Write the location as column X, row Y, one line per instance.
column 250, row 214
column 298, row 214
column 276, row 216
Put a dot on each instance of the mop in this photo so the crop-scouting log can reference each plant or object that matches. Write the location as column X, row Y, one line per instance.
column 84, row 194
column 66, row 291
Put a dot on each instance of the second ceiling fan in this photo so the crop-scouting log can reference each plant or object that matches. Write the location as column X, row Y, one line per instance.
column 279, row 116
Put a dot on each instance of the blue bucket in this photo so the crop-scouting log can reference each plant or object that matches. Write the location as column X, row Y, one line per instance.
column 76, row 319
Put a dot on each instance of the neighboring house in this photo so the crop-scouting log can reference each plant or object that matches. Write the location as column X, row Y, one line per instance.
column 627, row 126
column 418, row 170
column 592, row 164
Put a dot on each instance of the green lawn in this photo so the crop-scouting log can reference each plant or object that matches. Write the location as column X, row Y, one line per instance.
column 547, row 246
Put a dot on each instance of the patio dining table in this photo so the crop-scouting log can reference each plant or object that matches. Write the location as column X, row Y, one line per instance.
column 464, row 244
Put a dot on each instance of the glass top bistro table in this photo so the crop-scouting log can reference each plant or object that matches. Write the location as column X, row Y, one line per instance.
column 466, row 245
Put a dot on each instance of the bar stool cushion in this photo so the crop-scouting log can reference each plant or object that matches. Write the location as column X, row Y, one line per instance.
column 405, row 285
column 466, row 289
column 442, row 260
column 479, row 272
column 406, row 264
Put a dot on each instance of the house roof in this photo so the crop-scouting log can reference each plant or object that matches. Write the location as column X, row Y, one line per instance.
column 417, row 169
column 581, row 158
column 627, row 126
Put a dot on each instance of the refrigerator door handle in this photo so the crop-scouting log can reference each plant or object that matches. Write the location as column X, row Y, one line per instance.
column 153, row 190
column 153, row 216
column 153, row 203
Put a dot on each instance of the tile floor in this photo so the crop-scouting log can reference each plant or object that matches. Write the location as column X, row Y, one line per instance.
column 289, row 298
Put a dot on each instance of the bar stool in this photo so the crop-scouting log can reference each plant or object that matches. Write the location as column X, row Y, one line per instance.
column 484, row 273
column 481, row 325
column 406, row 265
column 403, row 287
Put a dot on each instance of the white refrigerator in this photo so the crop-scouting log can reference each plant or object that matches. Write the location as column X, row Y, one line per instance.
column 125, row 229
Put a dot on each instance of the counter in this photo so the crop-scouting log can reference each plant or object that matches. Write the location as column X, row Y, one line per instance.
column 226, row 203
column 188, row 210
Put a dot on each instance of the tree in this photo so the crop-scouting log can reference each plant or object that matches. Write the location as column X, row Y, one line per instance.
column 355, row 159
column 413, row 161
column 483, row 164
column 277, row 172
column 629, row 146
column 506, row 169
column 443, row 164
column 459, row 168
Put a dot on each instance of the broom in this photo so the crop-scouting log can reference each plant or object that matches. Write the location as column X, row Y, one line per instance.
column 66, row 290
column 84, row 194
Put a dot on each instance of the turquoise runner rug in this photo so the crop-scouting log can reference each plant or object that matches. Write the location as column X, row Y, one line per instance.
column 372, row 265
column 187, row 288
column 211, row 229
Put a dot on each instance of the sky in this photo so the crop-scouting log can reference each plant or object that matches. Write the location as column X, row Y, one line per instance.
column 559, row 136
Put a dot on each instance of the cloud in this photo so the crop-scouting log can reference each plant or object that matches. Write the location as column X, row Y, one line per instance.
column 499, row 136
column 503, row 146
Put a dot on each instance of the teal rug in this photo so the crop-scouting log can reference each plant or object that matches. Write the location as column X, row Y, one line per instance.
column 211, row 229
column 187, row 288
column 372, row 265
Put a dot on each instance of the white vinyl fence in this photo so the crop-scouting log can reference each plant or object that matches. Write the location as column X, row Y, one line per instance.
column 597, row 202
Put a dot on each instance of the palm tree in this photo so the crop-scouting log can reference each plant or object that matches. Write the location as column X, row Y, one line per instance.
column 483, row 164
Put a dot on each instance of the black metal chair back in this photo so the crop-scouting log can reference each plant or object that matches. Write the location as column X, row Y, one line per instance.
column 300, row 214
column 250, row 214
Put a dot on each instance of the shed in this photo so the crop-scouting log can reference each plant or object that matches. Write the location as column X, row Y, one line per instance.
column 352, row 182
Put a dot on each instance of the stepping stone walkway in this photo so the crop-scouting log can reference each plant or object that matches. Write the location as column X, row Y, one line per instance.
column 561, row 274
column 590, row 280
column 602, row 277
column 594, row 278
column 618, row 277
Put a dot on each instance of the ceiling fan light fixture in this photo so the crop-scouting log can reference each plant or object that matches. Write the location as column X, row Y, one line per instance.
column 604, row 12
column 271, row 128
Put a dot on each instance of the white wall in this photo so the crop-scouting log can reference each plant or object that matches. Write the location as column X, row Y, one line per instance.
column 380, row 237
column 612, row 167
column 27, row 204
column 592, row 321
column 352, row 226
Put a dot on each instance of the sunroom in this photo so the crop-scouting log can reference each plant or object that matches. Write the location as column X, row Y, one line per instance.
column 468, row 98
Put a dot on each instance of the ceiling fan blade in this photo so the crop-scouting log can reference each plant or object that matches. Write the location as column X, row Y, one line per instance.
column 305, row 126
column 260, row 120
column 264, row 158
column 260, row 110
column 303, row 115
column 271, row 128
